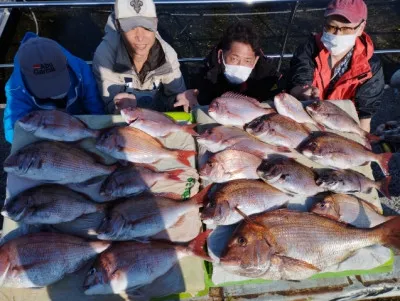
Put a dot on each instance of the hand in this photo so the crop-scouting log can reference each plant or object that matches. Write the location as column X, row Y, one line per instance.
column 187, row 99
column 124, row 100
column 306, row 92
column 389, row 131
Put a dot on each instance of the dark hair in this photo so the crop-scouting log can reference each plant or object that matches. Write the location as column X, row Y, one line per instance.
column 240, row 32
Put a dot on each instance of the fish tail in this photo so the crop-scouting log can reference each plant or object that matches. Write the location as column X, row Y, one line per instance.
column 190, row 129
column 196, row 246
column 383, row 186
column 372, row 138
column 383, row 161
column 174, row 174
column 390, row 232
column 183, row 155
column 94, row 133
column 201, row 197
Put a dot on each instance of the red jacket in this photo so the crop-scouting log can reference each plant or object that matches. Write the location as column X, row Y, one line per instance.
column 359, row 72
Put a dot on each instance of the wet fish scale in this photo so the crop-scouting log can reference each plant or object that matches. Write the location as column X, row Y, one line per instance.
column 127, row 143
column 55, row 162
column 131, row 264
column 284, row 244
column 332, row 150
column 230, row 165
column 250, row 196
column 229, row 137
column 278, row 130
column 288, row 175
column 55, row 125
column 143, row 216
column 48, row 204
column 40, row 259
column 235, row 109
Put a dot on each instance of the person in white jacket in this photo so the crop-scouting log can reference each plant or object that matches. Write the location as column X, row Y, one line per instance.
column 133, row 65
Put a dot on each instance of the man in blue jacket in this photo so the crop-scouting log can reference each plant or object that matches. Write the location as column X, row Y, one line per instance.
column 46, row 77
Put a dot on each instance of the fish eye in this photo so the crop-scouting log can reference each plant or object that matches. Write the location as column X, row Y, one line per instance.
column 209, row 163
column 313, row 145
column 317, row 104
column 242, row 241
column 322, row 204
column 212, row 204
column 92, row 271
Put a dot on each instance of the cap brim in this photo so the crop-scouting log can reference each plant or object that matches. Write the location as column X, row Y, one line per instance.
column 128, row 24
column 341, row 12
column 50, row 86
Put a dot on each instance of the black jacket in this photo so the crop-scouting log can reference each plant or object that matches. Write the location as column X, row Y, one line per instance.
column 262, row 84
column 368, row 94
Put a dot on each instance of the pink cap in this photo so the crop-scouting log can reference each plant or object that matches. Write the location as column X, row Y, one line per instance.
column 352, row 10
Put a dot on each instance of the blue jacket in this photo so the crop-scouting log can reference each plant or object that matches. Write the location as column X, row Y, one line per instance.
column 83, row 97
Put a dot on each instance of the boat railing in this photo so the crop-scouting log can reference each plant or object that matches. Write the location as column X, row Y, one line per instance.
column 282, row 55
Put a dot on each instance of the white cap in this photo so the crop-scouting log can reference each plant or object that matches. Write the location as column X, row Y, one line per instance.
column 136, row 13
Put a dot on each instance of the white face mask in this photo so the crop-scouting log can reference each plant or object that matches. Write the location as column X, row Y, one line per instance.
column 337, row 44
column 236, row 74
column 59, row 96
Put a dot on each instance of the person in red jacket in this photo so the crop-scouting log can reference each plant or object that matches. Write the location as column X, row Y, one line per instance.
column 340, row 63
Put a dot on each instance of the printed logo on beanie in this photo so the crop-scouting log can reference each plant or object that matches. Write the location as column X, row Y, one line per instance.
column 137, row 5
column 39, row 69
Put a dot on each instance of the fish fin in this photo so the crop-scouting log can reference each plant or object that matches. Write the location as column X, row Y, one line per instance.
column 183, row 155
column 240, row 96
column 390, row 234
column 169, row 195
column 94, row 133
column 383, row 161
column 291, row 266
column 306, row 127
column 372, row 138
column 283, row 149
column 202, row 196
column 90, row 182
column 189, row 128
column 196, row 246
column 174, row 174
column 383, row 186
column 180, row 221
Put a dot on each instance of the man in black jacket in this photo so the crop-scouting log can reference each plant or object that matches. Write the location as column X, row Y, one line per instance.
column 237, row 64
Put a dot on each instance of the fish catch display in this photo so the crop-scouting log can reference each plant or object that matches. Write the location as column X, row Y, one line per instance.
column 56, row 125
column 287, row 105
column 40, row 259
column 287, row 175
column 135, row 179
column 335, row 151
column 229, row 137
column 236, row 109
column 154, row 123
column 55, row 162
column 250, row 196
column 49, row 204
column 292, row 245
column 130, row 144
column 350, row 210
column 133, row 264
column 145, row 216
column 333, row 117
column 230, row 165
column 278, row 130
column 350, row 181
